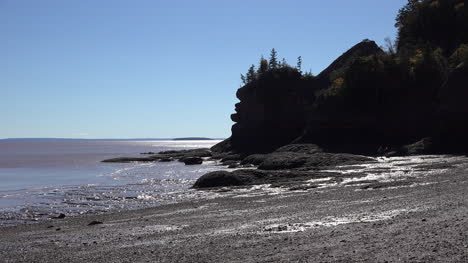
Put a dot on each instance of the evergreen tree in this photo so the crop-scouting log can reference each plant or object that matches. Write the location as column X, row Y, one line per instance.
column 283, row 63
column 251, row 75
column 263, row 67
column 273, row 59
column 299, row 64
column 244, row 79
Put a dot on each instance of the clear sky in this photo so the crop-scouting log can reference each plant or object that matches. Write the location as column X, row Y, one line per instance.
column 151, row 68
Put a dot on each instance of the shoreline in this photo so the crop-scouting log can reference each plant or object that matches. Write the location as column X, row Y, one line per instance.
column 424, row 221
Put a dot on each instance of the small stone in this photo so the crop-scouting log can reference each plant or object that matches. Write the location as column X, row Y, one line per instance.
column 61, row 216
column 92, row 223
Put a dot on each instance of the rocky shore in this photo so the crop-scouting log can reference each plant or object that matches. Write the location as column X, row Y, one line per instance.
column 399, row 209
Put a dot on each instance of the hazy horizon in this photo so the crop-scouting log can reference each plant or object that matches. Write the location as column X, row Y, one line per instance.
column 106, row 139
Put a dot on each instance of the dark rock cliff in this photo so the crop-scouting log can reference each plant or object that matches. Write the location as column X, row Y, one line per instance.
column 281, row 107
column 271, row 111
column 410, row 99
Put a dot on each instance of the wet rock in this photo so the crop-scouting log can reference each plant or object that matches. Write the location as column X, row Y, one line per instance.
column 289, row 160
column 254, row 159
column 165, row 156
column 283, row 160
column 231, row 157
column 230, row 162
column 243, row 177
column 192, row 160
column 224, row 178
column 128, row 160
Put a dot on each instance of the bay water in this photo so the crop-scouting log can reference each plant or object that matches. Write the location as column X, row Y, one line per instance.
column 42, row 179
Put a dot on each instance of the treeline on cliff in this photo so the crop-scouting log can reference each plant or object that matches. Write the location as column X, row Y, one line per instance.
column 369, row 97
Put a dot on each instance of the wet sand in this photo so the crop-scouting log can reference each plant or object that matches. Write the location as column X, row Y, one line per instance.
column 422, row 220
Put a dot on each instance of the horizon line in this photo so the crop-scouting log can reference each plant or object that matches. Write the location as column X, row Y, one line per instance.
column 148, row 138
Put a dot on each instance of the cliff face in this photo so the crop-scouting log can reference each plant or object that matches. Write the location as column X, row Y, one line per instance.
column 277, row 108
column 271, row 111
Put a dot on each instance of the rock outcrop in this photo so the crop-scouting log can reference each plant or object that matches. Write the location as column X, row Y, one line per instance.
column 270, row 112
column 281, row 107
column 193, row 156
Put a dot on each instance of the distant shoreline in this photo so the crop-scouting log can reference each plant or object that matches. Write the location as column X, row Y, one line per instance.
column 110, row 140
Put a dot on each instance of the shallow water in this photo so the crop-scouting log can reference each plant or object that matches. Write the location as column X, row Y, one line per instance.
column 43, row 179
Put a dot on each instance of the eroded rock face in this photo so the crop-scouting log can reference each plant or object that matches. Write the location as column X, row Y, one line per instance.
column 276, row 109
column 271, row 112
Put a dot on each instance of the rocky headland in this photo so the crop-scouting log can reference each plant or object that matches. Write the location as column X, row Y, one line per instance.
column 407, row 99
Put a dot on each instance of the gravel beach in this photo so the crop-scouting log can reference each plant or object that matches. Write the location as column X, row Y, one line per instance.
column 422, row 220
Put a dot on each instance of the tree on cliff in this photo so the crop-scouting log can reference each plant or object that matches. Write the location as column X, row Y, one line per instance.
column 263, row 65
column 273, row 59
column 299, row 64
column 251, row 74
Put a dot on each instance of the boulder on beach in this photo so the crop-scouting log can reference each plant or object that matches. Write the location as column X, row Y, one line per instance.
column 219, row 178
column 254, row 159
column 244, row 177
column 192, row 160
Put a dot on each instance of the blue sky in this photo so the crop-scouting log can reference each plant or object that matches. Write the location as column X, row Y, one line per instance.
column 150, row 68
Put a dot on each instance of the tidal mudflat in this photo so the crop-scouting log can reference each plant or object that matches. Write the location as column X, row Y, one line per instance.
column 370, row 218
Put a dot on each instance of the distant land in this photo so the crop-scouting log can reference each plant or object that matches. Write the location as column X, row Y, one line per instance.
column 134, row 139
column 193, row 139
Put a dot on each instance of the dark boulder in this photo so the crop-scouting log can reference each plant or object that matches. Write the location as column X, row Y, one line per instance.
column 224, row 178
column 192, row 160
column 244, row 177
